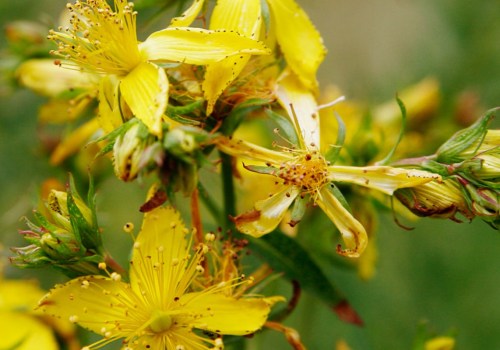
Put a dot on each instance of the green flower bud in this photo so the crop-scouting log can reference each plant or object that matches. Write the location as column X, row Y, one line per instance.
column 184, row 141
column 465, row 141
column 68, row 238
column 134, row 151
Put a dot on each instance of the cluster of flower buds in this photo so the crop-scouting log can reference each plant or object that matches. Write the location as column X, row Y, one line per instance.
column 67, row 238
column 177, row 155
column 469, row 163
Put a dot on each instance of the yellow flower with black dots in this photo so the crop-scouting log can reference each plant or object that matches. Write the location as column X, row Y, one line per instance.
column 103, row 40
column 160, row 308
column 302, row 170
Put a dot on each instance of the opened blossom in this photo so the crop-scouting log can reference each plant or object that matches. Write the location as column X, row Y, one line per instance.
column 103, row 40
column 288, row 27
column 302, row 171
column 161, row 306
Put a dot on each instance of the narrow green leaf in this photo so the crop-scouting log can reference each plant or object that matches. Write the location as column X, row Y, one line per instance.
column 402, row 107
column 286, row 255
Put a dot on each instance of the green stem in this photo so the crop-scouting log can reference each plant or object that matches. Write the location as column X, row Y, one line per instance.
column 210, row 204
column 228, row 190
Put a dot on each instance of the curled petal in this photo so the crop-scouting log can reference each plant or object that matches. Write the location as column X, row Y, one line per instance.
column 351, row 230
column 299, row 41
column 188, row 16
column 267, row 213
column 145, row 89
column 198, row 46
column 222, row 314
column 383, row 178
column 247, row 150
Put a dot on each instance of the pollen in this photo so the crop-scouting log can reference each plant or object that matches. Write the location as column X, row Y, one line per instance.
column 128, row 227
column 307, row 170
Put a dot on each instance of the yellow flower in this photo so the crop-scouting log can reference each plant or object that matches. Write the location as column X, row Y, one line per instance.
column 300, row 43
column 159, row 308
column 103, row 40
column 303, row 170
column 22, row 329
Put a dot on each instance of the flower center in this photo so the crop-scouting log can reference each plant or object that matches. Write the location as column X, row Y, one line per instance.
column 160, row 321
column 99, row 39
column 308, row 171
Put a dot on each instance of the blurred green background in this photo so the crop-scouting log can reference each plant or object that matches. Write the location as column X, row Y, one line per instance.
column 441, row 272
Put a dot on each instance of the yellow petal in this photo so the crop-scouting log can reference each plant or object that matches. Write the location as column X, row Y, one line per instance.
column 48, row 79
column 198, row 46
column 351, row 230
column 226, row 315
column 383, row 178
column 299, row 41
column 73, row 142
column 243, row 16
column 267, row 213
column 188, row 16
column 219, row 75
column 291, row 92
column 145, row 90
column 243, row 149
column 97, row 303
column 163, row 240
column 24, row 332
column 109, row 115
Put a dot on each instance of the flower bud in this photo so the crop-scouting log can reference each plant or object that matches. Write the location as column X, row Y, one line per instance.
column 67, row 237
column 435, row 199
column 57, row 204
column 134, row 151
column 465, row 142
column 183, row 141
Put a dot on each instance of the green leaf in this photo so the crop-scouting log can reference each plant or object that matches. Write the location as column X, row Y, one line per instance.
column 286, row 255
column 177, row 111
column 402, row 107
column 450, row 151
column 284, row 125
column 112, row 136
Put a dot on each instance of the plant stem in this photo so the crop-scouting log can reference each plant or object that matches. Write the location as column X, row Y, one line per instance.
column 228, row 190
